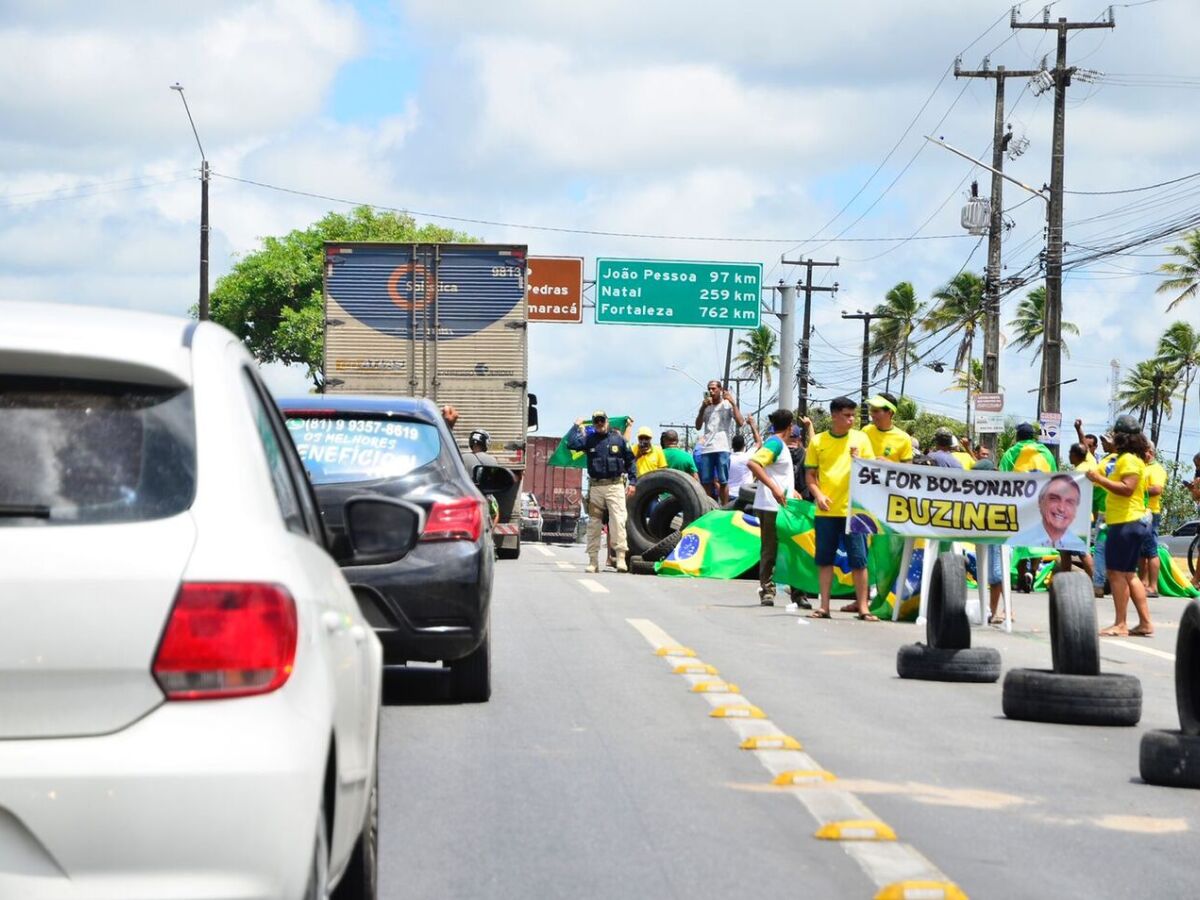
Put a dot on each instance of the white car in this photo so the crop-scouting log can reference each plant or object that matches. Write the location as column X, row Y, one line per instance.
column 189, row 694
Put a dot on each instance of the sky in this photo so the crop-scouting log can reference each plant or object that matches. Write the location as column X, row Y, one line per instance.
column 794, row 129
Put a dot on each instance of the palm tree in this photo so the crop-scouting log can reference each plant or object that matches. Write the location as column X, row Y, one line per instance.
column 757, row 357
column 890, row 336
column 1147, row 391
column 1179, row 353
column 1185, row 275
column 1030, row 323
column 970, row 381
column 960, row 307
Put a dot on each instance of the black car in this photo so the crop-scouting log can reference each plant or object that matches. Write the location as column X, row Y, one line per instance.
column 434, row 604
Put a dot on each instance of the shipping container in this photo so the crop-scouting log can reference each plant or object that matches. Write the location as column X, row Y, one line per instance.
column 559, row 490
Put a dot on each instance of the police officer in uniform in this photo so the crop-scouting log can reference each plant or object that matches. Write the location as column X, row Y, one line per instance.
column 612, row 475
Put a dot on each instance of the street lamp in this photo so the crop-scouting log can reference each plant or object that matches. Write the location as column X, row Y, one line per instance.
column 203, row 305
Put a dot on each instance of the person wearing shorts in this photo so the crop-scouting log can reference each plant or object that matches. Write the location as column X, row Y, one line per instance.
column 718, row 413
column 1128, row 527
column 828, row 463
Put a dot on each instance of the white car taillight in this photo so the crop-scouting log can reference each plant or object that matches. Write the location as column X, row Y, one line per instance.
column 227, row 639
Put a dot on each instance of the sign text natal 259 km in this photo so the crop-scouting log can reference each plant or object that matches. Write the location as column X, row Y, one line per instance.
column 678, row 292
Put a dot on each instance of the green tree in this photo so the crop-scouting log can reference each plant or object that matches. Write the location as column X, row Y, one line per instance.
column 890, row 336
column 1179, row 354
column 757, row 356
column 1146, row 392
column 1030, row 323
column 959, row 308
column 1185, row 274
column 272, row 298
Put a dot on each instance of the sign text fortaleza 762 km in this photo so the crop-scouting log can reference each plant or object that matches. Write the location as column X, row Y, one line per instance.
column 678, row 292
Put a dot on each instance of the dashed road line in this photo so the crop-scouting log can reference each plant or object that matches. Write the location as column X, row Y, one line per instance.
column 544, row 550
column 896, row 868
column 562, row 564
column 594, row 586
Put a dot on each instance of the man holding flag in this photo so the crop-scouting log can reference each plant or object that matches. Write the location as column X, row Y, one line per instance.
column 612, row 474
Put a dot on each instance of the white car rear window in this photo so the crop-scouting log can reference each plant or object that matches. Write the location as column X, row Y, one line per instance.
column 75, row 452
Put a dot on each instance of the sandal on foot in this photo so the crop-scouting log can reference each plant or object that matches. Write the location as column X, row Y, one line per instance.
column 1113, row 631
column 867, row 617
column 819, row 614
column 1141, row 632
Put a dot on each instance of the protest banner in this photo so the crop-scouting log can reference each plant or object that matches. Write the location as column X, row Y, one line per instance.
column 1018, row 509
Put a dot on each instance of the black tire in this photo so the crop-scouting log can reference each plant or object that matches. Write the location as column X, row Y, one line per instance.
column 946, row 624
column 1038, row 695
column 1187, row 669
column 360, row 881
column 471, row 676
column 745, row 497
column 980, row 665
column 640, row 566
column 682, row 488
column 663, row 519
column 711, row 503
column 661, row 550
column 1194, row 555
column 1074, row 639
column 1170, row 759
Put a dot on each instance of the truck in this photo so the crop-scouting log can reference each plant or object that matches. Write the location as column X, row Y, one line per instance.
column 559, row 490
column 447, row 321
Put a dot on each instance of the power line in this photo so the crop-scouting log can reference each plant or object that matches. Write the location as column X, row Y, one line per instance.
column 554, row 228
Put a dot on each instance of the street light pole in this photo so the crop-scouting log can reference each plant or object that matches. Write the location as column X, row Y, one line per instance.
column 202, row 307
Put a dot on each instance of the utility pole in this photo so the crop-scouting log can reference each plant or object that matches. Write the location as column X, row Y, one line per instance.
column 806, row 334
column 991, row 287
column 1052, row 328
column 687, row 432
column 787, row 342
column 202, row 306
column 866, row 355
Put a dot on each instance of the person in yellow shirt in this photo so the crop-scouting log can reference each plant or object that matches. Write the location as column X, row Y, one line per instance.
column 1127, row 527
column 1155, row 481
column 827, row 461
column 889, row 443
column 646, row 456
column 964, row 454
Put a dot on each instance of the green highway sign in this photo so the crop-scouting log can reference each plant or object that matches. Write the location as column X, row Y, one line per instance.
column 678, row 292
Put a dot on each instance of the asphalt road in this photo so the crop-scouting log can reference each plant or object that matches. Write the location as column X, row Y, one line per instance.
column 595, row 770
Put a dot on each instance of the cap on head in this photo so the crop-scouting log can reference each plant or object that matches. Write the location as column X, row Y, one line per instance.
column 879, row 401
column 1126, row 425
column 599, row 416
column 1026, row 432
column 943, row 437
column 645, row 432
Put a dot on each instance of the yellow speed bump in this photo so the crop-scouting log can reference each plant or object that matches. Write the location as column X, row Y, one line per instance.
column 674, row 651
column 695, row 667
column 921, row 890
column 771, row 742
column 739, row 711
column 803, row 776
column 715, row 687
column 856, row 830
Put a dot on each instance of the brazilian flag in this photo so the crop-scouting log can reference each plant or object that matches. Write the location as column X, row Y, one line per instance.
column 567, row 458
column 1172, row 579
column 720, row 544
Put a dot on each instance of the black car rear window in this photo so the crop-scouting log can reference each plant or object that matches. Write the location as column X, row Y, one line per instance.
column 338, row 449
column 77, row 452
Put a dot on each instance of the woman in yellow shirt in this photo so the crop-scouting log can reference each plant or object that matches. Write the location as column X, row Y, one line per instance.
column 1128, row 526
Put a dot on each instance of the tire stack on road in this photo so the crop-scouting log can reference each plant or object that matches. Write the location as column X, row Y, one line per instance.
column 1172, row 758
column 654, row 528
column 1074, row 691
column 948, row 654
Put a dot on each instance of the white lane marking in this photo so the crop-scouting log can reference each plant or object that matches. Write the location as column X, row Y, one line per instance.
column 563, row 564
column 1140, row 648
column 545, row 551
column 594, row 586
column 883, row 862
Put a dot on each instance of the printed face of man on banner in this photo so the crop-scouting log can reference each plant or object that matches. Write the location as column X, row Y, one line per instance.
column 1058, row 503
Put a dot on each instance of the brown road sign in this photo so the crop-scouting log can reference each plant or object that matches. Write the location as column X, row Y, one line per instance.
column 555, row 289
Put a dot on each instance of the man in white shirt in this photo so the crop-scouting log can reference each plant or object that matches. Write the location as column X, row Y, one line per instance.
column 716, row 420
